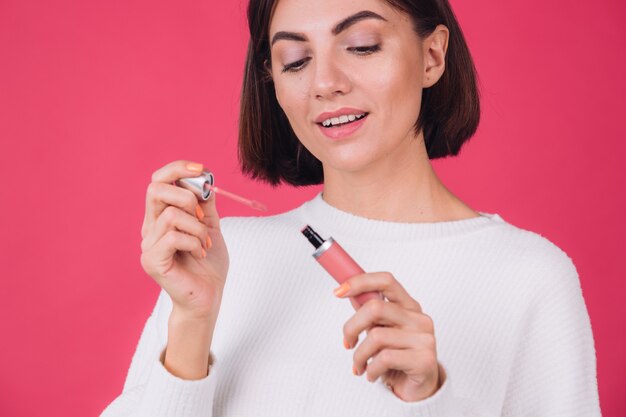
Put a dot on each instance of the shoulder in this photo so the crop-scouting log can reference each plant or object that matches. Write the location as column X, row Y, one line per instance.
column 537, row 256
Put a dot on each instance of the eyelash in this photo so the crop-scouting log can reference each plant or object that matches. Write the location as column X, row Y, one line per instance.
column 359, row 50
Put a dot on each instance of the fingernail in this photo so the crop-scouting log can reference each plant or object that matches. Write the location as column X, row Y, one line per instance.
column 199, row 212
column 203, row 253
column 192, row 166
column 354, row 371
column 209, row 242
column 345, row 343
column 341, row 291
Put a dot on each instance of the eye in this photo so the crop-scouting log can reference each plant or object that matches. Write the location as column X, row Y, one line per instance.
column 295, row 66
column 359, row 50
column 365, row 50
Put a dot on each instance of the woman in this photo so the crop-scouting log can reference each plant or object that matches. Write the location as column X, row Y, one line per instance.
column 479, row 318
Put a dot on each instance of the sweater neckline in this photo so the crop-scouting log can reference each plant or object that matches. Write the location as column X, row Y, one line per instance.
column 330, row 219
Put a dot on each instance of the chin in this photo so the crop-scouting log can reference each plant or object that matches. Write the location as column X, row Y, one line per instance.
column 348, row 164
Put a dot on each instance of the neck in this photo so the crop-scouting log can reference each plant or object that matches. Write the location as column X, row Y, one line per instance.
column 400, row 188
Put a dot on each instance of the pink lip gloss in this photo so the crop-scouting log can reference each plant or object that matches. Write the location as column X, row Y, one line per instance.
column 337, row 262
column 340, row 132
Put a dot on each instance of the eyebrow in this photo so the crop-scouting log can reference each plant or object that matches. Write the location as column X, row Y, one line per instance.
column 339, row 27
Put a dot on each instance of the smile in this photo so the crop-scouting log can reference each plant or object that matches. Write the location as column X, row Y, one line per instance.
column 342, row 127
column 341, row 120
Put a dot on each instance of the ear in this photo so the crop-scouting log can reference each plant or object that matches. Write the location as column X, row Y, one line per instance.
column 435, row 48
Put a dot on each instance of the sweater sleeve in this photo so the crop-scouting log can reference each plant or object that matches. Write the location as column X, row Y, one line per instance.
column 443, row 403
column 554, row 370
column 150, row 390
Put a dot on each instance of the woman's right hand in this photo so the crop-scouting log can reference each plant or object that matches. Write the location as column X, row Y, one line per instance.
column 174, row 241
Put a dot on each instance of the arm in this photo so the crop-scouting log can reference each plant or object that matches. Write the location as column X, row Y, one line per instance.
column 150, row 388
column 189, row 339
column 554, row 371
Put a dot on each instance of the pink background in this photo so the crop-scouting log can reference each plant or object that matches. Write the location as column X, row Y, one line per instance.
column 96, row 95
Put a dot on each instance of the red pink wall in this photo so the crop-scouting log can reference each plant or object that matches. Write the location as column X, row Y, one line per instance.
column 96, row 95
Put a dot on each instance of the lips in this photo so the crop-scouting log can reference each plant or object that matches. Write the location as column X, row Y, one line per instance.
column 342, row 131
column 344, row 111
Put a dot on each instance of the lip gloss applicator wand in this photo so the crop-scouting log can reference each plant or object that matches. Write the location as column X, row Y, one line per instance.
column 250, row 203
column 337, row 262
column 202, row 186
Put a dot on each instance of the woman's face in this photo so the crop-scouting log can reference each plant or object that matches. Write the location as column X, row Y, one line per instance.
column 361, row 56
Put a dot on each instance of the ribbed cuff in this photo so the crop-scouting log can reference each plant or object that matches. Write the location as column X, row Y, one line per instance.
column 440, row 404
column 167, row 395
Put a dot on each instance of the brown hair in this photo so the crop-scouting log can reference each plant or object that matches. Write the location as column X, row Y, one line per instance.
column 269, row 149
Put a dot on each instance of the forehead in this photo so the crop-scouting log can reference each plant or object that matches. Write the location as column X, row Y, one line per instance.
column 309, row 16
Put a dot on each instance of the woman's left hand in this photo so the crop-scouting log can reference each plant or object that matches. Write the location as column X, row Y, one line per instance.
column 400, row 338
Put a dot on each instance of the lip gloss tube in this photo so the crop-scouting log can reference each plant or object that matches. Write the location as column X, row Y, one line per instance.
column 337, row 262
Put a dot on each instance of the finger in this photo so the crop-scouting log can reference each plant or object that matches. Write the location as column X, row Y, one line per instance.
column 159, row 260
column 209, row 208
column 176, row 170
column 377, row 313
column 159, row 196
column 174, row 218
column 384, row 282
column 419, row 364
column 180, row 169
column 380, row 338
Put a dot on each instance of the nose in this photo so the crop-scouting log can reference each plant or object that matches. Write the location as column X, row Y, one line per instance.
column 329, row 80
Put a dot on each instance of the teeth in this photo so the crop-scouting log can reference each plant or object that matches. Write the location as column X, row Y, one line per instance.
column 333, row 121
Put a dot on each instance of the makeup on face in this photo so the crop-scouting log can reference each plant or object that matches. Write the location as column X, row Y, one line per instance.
column 341, row 123
column 336, row 261
column 202, row 186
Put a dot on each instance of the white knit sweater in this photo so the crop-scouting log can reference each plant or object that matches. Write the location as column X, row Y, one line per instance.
column 511, row 325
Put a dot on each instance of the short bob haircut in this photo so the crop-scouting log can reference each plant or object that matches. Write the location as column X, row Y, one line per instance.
column 269, row 149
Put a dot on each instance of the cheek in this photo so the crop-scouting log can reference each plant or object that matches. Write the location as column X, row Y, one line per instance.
column 396, row 88
column 396, row 78
column 291, row 99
